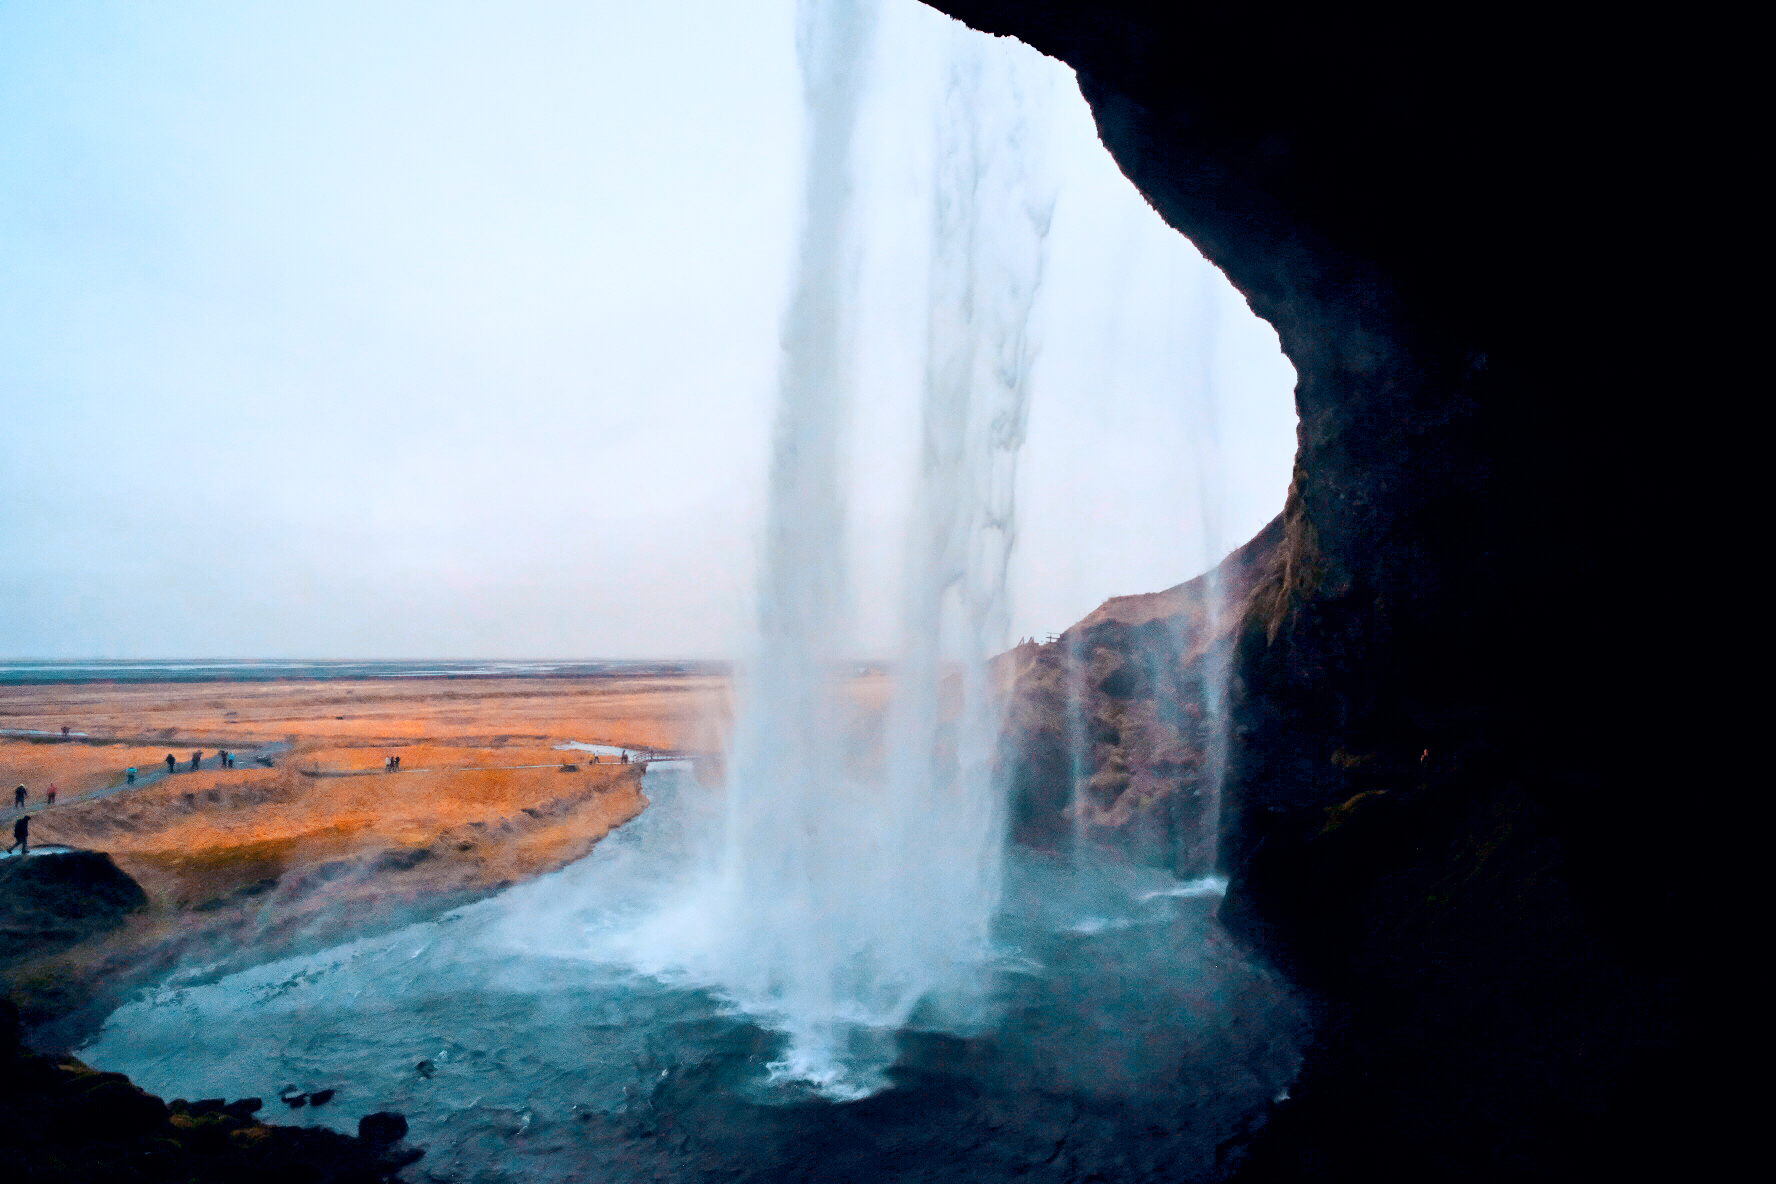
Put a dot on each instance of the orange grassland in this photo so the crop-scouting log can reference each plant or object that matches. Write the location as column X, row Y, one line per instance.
column 474, row 754
column 245, row 863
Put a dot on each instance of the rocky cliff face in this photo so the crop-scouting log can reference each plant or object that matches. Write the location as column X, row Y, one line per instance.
column 1436, row 815
column 1114, row 731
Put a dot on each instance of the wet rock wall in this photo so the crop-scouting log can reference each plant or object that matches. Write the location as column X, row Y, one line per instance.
column 1439, row 815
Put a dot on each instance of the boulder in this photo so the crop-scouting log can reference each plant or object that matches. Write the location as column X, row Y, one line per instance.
column 108, row 1106
column 383, row 1127
column 62, row 1120
column 49, row 902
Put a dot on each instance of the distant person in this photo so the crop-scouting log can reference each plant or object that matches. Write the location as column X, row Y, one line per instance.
column 64, row 729
column 18, row 797
column 196, row 759
column 21, row 835
column 170, row 762
column 50, row 793
column 397, row 762
column 223, row 757
column 129, row 776
column 595, row 758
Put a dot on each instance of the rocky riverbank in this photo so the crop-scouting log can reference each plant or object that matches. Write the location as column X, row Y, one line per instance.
column 274, row 862
column 312, row 839
column 217, row 868
column 62, row 1122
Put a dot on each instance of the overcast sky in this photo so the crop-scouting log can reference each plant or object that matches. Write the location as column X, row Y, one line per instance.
column 401, row 328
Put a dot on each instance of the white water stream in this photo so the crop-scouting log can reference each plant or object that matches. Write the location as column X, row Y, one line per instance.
column 848, row 903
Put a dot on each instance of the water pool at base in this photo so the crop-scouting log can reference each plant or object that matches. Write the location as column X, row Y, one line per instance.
column 1122, row 1034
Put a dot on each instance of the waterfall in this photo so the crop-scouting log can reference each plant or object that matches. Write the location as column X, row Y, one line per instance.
column 852, row 902
column 989, row 225
column 1211, row 491
column 800, row 902
column 1186, row 669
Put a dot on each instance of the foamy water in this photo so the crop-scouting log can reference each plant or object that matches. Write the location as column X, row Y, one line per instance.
column 566, row 997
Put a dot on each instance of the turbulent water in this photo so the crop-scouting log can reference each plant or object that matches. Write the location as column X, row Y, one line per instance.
column 1117, row 1008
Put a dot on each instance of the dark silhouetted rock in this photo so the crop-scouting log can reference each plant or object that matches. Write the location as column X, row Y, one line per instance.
column 108, row 1105
column 49, row 902
column 9, row 1029
column 385, row 1126
column 321, row 1097
column 1440, row 252
column 62, row 1121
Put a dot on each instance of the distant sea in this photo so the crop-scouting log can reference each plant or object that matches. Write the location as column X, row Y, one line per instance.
column 266, row 670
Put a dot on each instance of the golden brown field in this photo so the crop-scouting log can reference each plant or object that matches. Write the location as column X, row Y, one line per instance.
column 244, row 863
column 688, row 711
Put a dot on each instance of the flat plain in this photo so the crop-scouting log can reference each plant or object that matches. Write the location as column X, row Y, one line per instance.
column 309, row 838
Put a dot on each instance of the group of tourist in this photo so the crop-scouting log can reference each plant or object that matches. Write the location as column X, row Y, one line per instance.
column 21, row 826
column 224, row 760
column 21, row 793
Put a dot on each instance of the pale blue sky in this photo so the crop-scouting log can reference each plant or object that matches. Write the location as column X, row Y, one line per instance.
column 398, row 328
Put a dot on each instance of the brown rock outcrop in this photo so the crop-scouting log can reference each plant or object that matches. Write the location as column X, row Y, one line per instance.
column 1112, row 736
